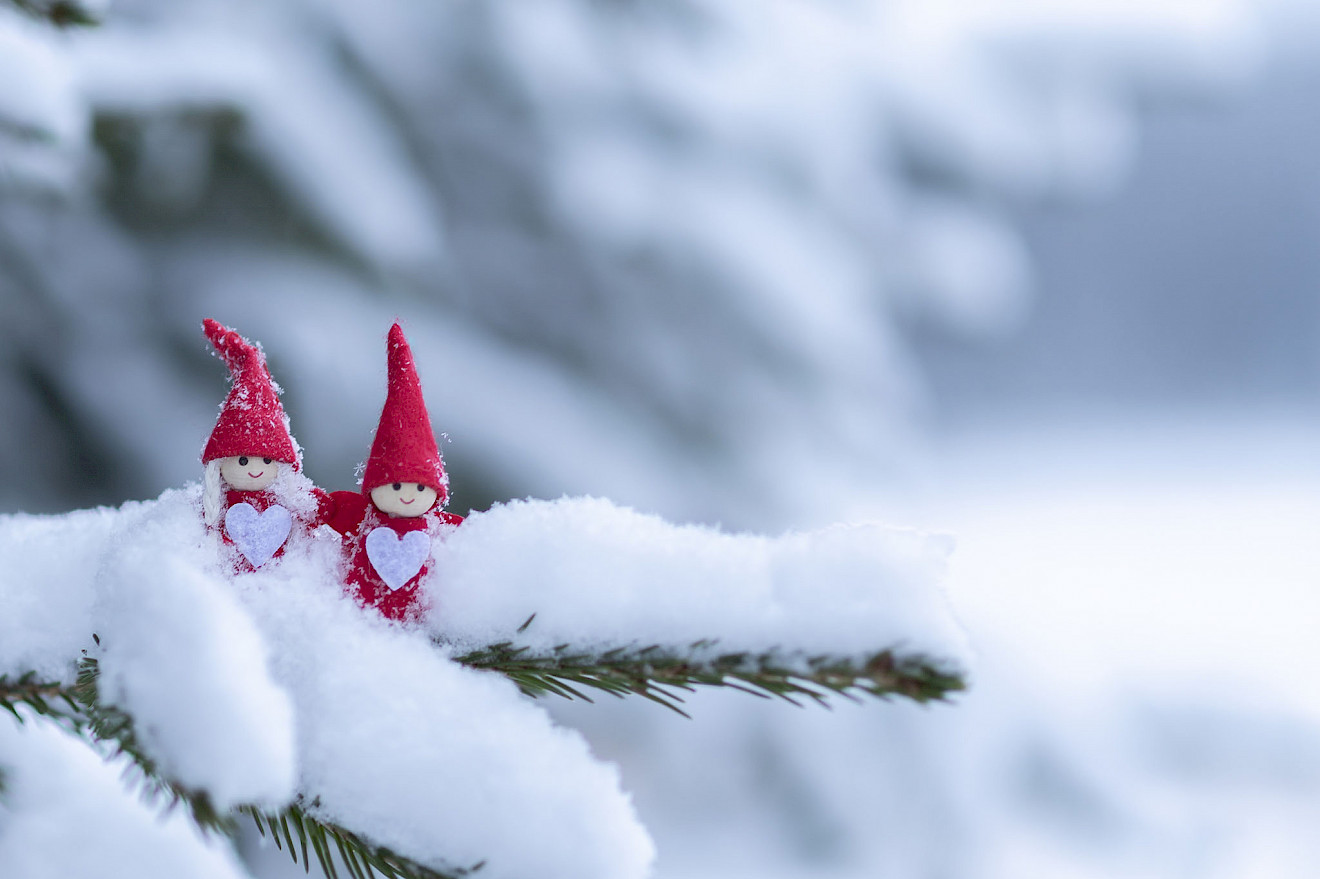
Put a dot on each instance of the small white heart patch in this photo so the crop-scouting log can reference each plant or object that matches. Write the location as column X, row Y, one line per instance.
column 258, row 535
column 397, row 559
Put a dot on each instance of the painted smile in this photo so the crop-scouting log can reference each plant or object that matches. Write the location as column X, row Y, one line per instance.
column 401, row 500
column 256, row 475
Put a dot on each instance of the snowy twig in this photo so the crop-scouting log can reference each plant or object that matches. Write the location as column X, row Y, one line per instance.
column 81, row 705
column 654, row 672
column 62, row 13
column 43, row 697
column 362, row 859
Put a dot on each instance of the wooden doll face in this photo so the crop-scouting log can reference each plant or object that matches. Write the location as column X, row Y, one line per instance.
column 249, row 472
column 407, row 499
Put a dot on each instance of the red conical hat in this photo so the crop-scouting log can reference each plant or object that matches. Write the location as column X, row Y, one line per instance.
column 252, row 421
column 404, row 449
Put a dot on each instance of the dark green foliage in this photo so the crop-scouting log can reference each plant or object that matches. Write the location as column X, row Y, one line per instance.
column 295, row 831
column 61, row 13
column 45, row 698
column 656, row 673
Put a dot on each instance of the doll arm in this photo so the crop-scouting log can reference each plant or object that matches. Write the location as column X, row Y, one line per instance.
column 343, row 510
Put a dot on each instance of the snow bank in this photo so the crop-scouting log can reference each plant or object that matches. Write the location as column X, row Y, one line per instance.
column 182, row 657
column 447, row 765
column 65, row 812
column 596, row 575
column 179, row 654
column 47, row 591
column 1144, row 607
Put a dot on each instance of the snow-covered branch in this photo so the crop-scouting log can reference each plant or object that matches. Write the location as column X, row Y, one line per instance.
column 655, row 673
column 61, row 13
column 273, row 690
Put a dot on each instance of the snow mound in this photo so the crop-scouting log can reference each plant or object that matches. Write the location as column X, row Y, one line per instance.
column 65, row 812
column 47, row 589
column 183, row 658
column 597, row 575
column 445, row 764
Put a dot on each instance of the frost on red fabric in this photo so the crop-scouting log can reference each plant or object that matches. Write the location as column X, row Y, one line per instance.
column 303, row 520
column 252, row 421
column 356, row 517
column 404, row 449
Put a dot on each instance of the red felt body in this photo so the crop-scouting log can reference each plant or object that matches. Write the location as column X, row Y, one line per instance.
column 355, row 516
column 261, row 501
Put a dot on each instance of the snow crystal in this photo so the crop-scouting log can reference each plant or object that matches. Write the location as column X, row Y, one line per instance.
column 65, row 813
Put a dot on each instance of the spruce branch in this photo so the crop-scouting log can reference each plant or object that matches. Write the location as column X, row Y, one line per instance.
column 80, row 707
column 662, row 674
column 61, row 13
column 295, row 830
column 43, row 697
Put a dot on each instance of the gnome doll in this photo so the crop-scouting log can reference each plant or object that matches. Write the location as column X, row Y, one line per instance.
column 252, row 493
column 389, row 527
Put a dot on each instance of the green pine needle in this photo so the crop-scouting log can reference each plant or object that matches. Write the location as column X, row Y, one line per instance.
column 655, row 673
column 351, row 852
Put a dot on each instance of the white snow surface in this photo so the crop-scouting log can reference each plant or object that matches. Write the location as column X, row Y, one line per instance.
column 260, row 686
column 445, row 764
column 1146, row 703
column 66, row 812
column 46, row 592
column 597, row 575
column 184, row 659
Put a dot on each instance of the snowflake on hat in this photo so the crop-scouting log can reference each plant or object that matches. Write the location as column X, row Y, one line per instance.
column 389, row 526
column 253, row 494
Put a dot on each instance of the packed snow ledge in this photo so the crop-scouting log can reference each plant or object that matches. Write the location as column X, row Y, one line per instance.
column 584, row 571
column 595, row 575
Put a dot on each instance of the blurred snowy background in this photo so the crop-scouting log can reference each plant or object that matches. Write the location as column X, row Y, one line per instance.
column 1040, row 274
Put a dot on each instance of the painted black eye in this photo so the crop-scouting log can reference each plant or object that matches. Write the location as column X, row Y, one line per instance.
column 398, row 486
column 242, row 461
column 267, row 460
column 421, row 487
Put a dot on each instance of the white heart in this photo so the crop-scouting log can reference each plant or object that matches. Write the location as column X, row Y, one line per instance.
column 258, row 535
column 396, row 559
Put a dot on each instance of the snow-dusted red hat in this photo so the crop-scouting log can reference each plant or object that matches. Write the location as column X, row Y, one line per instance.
column 252, row 421
column 404, row 449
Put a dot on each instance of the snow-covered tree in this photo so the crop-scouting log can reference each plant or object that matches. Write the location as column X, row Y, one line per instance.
column 680, row 236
